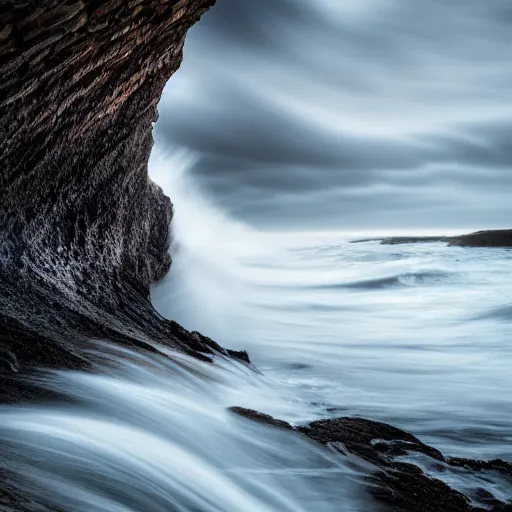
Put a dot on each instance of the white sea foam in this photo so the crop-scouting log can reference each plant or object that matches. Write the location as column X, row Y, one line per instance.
column 412, row 334
column 154, row 434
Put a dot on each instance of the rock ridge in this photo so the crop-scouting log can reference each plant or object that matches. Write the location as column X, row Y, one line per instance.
column 84, row 232
column 395, row 482
column 488, row 238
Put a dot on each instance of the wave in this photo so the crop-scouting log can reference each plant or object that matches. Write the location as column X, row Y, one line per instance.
column 408, row 279
column 150, row 433
column 503, row 313
column 281, row 298
column 207, row 277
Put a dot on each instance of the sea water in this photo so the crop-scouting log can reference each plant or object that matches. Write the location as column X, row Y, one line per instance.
column 416, row 335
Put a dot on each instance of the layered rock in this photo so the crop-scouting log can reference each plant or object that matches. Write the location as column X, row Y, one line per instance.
column 83, row 230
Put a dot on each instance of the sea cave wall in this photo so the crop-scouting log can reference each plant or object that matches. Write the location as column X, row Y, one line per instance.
column 84, row 232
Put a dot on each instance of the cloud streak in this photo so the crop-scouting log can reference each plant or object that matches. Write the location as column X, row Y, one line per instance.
column 365, row 114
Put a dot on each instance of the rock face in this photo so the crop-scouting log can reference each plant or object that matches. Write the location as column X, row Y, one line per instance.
column 83, row 231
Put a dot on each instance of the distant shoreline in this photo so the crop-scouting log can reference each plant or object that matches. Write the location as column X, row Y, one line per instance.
column 488, row 238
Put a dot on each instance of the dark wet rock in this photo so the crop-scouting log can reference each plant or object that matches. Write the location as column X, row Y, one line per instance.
column 241, row 355
column 505, row 507
column 84, row 233
column 372, row 440
column 402, row 486
column 482, row 465
column 261, row 418
column 493, row 238
column 487, row 499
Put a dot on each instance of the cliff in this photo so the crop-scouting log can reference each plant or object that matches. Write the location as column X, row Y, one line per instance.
column 83, row 230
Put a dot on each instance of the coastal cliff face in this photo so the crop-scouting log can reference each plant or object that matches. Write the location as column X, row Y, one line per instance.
column 83, row 230
column 80, row 85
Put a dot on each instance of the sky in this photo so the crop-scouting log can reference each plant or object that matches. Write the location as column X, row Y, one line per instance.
column 349, row 114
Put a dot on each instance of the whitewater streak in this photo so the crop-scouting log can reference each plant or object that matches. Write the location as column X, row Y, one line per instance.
column 412, row 335
column 149, row 432
column 153, row 434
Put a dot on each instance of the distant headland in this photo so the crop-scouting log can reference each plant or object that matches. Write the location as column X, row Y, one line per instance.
column 488, row 238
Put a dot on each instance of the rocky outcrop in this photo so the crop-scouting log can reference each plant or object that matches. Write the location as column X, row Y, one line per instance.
column 492, row 238
column 83, row 230
column 80, row 83
column 400, row 484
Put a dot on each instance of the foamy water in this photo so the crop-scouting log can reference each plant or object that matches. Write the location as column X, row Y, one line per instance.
column 414, row 335
column 154, row 434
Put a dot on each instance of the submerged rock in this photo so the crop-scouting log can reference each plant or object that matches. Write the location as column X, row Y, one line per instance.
column 240, row 355
column 259, row 417
column 401, row 485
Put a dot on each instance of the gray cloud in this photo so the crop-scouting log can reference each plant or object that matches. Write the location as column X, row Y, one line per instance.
column 370, row 113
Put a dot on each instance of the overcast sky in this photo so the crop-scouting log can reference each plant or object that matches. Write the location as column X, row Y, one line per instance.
column 322, row 114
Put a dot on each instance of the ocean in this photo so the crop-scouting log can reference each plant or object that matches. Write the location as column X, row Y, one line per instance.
column 415, row 335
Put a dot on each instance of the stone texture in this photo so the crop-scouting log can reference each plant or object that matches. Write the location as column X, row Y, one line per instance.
column 78, row 102
column 402, row 486
column 83, row 230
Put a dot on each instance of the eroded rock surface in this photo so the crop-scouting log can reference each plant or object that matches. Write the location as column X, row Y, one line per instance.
column 83, row 230
column 400, row 484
